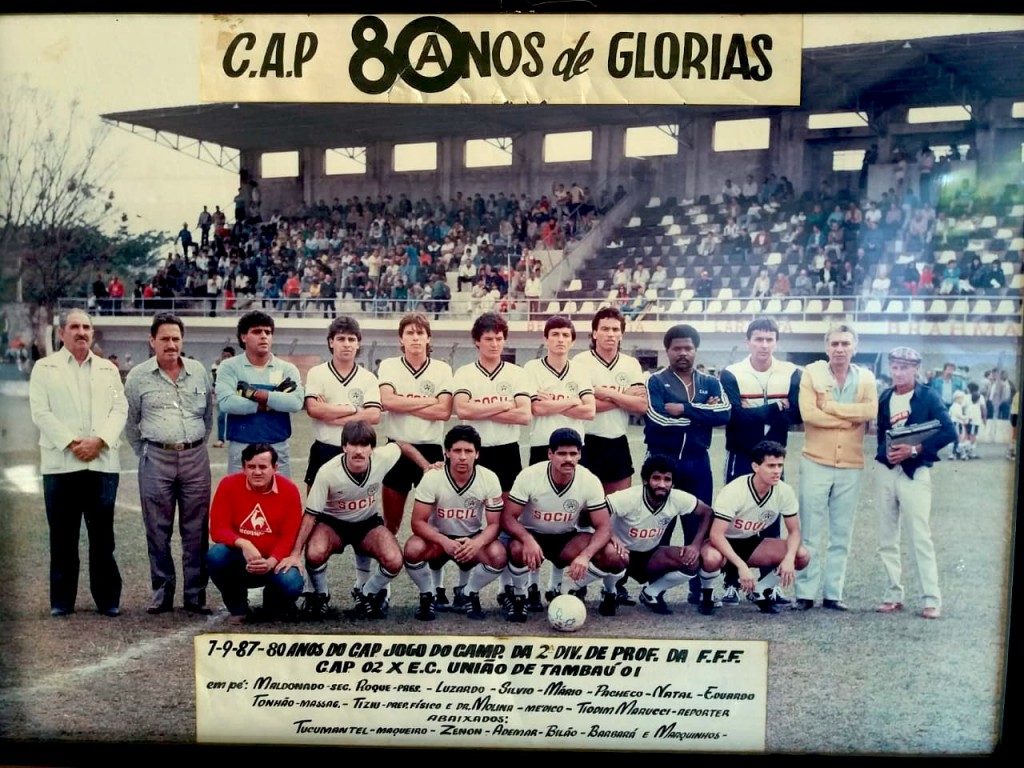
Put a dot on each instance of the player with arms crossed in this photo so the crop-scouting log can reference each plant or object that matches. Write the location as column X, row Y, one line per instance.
column 765, row 394
column 339, row 392
column 342, row 509
column 562, row 397
column 542, row 512
column 416, row 391
column 619, row 391
column 456, row 517
column 743, row 510
column 640, row 516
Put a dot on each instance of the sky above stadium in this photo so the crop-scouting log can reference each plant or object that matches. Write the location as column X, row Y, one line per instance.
column 120, row 63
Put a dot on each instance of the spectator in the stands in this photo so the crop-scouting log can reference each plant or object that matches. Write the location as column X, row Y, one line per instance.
column 780, row 286
column 467, row 271
column 704, row 285
column 926, row 283
column 976, row 273
column 641, row 276
column 826, row 282
column 621, row 275
column 949, row 284
column 851, row 278
column 659, row 278
column 906, row 278
column 995, row 279
column 761, row 287
column 708, row 245
column 761, row 242
column 636, row 304
column 749, row 191
column 803, row 285
column 730, row 191
column 881, row 283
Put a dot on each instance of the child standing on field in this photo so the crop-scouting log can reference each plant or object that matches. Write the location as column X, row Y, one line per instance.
column 974, row 410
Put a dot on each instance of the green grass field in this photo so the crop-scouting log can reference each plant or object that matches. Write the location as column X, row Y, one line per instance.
column 849, row 683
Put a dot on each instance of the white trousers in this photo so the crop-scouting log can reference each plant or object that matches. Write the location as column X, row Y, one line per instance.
column 906, row 499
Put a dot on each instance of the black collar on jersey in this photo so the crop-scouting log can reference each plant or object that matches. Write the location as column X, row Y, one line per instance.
column 559, row 490
column 356, row 479
column 416, row 372
column 490, row 374
column 559, row 374
column 345, row 380
column 753, row 492
column 647, row 502
column 601, row 360
column 455, row 485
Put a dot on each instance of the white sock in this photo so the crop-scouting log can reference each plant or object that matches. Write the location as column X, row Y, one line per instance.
column 437, row 576
column 555, row 579
column 669, row 580
column 464, row 578
column 520, row 578
column 480, row 576
column 420, row 575
column 769, row 579
column 505, row 579
column 318, row 578
column 378, row 580
column 363, row 565
column 707, row 580
column 535, row 578
column 611, row 582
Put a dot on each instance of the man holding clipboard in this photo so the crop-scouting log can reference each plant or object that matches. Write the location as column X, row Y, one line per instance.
column 913, row 426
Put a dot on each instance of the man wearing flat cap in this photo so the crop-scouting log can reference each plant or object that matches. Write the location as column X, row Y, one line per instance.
column 904, row 480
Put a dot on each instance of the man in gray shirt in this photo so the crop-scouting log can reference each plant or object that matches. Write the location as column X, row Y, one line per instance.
column 170, row 414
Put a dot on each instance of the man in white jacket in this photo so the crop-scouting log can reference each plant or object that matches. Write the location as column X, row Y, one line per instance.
column 77, row 402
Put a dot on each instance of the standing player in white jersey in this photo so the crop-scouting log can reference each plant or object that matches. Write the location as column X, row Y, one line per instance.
column 619, row 391
column 494, row 397
column 542, row 512
column 562, row 397
column 456, row 517
column 743, row 510
column 339, row 392
column 343, row 509
column 640, row 516
column 416, row 392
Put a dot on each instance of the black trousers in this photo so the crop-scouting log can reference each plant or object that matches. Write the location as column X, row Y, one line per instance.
column 69, row 497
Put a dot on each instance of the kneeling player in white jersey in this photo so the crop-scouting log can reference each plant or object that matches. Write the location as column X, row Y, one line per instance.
column 744, row 509
column 343, row 509
column 640, row 516
column 542, row 512
column 456, row 517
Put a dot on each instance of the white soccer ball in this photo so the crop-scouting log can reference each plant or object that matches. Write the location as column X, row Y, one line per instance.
column 567, row 613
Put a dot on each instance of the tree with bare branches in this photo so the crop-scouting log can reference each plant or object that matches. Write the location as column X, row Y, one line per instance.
column 59, row 224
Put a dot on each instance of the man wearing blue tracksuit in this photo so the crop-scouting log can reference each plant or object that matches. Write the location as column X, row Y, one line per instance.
column 684, row 405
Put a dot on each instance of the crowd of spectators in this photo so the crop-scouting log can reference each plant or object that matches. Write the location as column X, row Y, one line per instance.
column 390, row 254
column 836, row 244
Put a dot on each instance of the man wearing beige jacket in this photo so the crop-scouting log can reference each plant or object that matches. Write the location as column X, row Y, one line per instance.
column 77, row 402
column 837, row 401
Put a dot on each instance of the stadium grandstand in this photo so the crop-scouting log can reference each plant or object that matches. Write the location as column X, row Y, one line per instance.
column 892, row 197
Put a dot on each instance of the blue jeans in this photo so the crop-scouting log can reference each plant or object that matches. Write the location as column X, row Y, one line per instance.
column 227, row 570
column 828, row 503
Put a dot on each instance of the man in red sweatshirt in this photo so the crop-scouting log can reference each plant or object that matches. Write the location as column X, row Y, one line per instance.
column 254, row 519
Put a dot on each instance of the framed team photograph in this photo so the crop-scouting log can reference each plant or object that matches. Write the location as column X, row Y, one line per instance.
column 509, row 381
